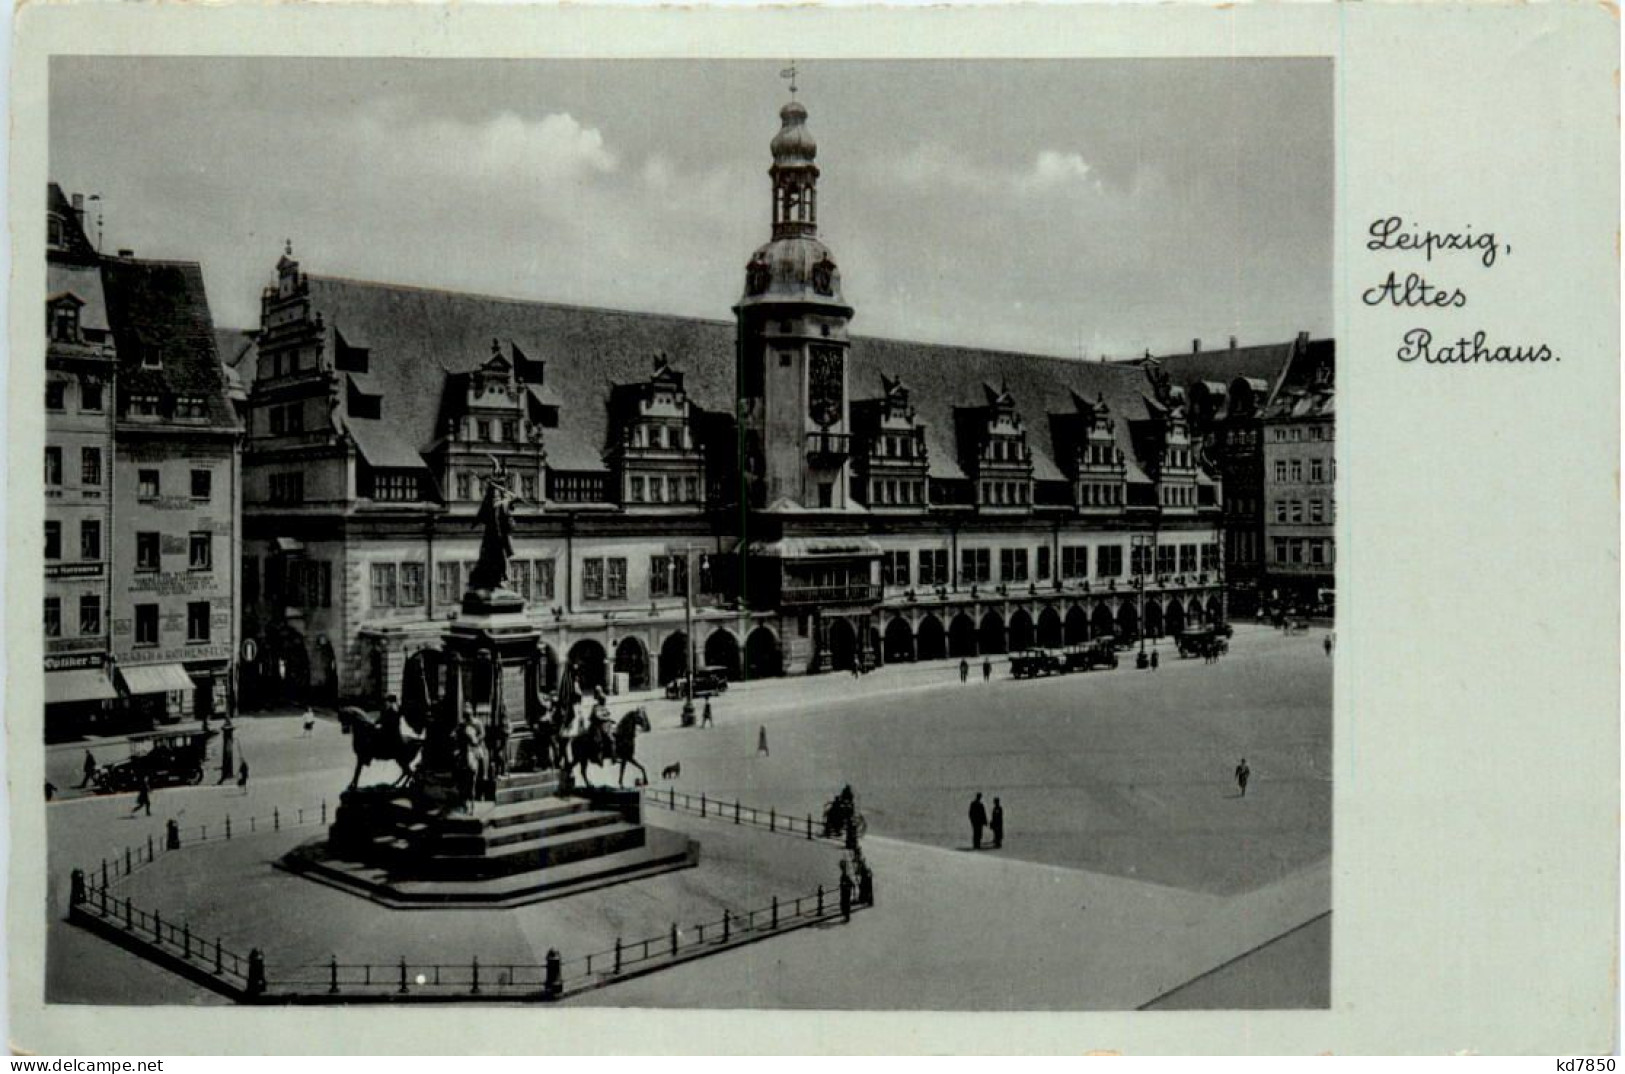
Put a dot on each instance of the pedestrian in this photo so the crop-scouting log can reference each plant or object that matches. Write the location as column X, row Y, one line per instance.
column 143, row 797
column 50, row 790
column 978, row 821
column 846, row 893
column 987, row 669
column 705, row 720
column 1243, row 774
column 1153, row 660
column 761, row 741
column 310, row 721
column 90, row 769
column 1328, row 645
column 242, row 776
column 996, row 824
column 964, row 670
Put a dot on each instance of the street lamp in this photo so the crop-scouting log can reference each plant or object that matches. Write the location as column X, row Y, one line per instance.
column 689, row 577
column 1142, row 542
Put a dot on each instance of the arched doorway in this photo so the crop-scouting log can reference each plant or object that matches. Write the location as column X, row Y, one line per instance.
column 1153, row 619
column 930, row 643
column 632, row 660
column 990, row 637
column 722, row 651
column 1100, row 622
column 1050, row 634
column 899, row 643
column 962, row 636
column 1077, row 625
column 1215, row 614
column 673, row 657
column 1194, row 616
column 1173, row 619
column 762, row 658
column 1021, row 631
column 1128, row 621
column 588, row 658
column 843, row 644
column 327, row 689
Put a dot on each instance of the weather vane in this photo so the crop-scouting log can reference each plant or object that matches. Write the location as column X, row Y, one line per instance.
column 790, row 73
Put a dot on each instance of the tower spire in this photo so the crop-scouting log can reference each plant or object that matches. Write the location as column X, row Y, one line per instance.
column 790, row 73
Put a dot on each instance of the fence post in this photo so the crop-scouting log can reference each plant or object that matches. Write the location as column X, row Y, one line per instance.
column 702, row 803
column 820, row 900
column 149, row 846
column 674, row 937
column 186, row 938
column 775, row 911
column 727, row 924
column 553, row 983
column 218, row 967
column 324, row 810
column 158, row 927
column 476, row 988
column 128, row 924
column 809, row 825
column 204, row 838
column 228, row 827
column 104, row 874
column 256, row 972
column 773, row 819
column 76, row 887
column 251, row 824
column 127, row 866
column 736, row 811
column 333, row 975
column 403, row 976
column 617, row 954
column 172, row 835
column 276, row 819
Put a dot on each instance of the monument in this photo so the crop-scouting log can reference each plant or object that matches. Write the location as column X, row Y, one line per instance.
column 485, row 813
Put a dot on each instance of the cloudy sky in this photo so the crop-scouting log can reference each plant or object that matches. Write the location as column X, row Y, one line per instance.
column 1045, row 206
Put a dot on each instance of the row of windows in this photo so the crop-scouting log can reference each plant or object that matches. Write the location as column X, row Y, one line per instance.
column 1179, row 495
column 1316, row 551
column 603, row 578
column 1006, row 449
column 1295, row 433
column 1292, row 510
column 1320, row 470
column 396, row 487
column 286, row 418
column 400, row 585
column 655, row 435
column 1004, row 493
column 146, row 620
column 494, row 430
column 1242, row 437
column 1179, row 458
column 654, row 488
column 892, row 491
column 466, row 487
column 1100, row 453
column 287, row 488
column 90, row 396
column 184, row 407
column 1097, row 494
column 199, row 551
column 299, row 582
column 149, row 484
column 90, row 539
column 976, row 564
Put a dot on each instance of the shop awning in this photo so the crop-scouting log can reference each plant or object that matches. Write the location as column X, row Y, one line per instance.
column 84, row 684
column 155, row 679
column 821, row 547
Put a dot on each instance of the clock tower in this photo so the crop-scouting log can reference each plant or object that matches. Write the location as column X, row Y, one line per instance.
column 794, row 410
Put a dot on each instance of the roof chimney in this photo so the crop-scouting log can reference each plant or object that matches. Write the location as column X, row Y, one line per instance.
column 1303, row 339
column 126, row 254
column 1232, row 342
column 79, row 205
column 1196, row 346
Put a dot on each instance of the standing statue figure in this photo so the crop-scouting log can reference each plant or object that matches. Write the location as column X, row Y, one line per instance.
column 496, row 544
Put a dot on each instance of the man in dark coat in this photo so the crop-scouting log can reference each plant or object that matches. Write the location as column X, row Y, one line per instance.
column 964, row 670
column 987, row 669
column 1153, row 660
column 1243, row 774
column 996, row 825
column 90, row 769
column 978, row 821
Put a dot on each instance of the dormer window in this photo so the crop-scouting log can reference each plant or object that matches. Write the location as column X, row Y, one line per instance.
column 153, row 358
column 63, row 321
column 144, row 406
column 55, row 232
column 191, row 408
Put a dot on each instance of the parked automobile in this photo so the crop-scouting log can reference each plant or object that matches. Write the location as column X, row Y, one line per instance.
column 1099, row 653
column 162, row 759
column 708, row 682
column 1031, row 663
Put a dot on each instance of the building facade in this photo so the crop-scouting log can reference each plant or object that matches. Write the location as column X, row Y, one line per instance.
column 151, row 492
column 1300, row 475
column 773, row 494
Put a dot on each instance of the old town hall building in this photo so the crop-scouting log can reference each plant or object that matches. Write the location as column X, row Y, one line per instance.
column 794, row 497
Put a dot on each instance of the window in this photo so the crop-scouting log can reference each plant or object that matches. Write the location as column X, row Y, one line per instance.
column 90, row 397
column 448, row 579
column 53, row 539
column 1280, row 510
column 412, row 585
column 1013, row 564
column 65, row 322
column 1187, row 559
column 146, row 551
column 543, row 585
column 634, row 492
column 191, row 408
column 481, row 429
column 510, row 430
column 1315, row 511
column 1317, row 552
column 1140, row 559
column 151, row 356
column 90, row 614
column 1075, row 561
column 145, row 406
column 90, row 539
column 199, row 551
column 287, row 488
column 975, row 565
column 53, row 466
column 521, row 578
column 1278, row 550
column 1297, row 548
column 826, row 494
column 527, row 487
column 1297, row 510
column 660, row 576
column 56, row 395
column 465, row 486
column 54, row 231
column 1165, row 558
column 146, row 624
column 617, row 578
column 674, row 490
column 691, row 489
column 1280, row 468
column 1043, row 564
column 894, row 569
column 197, row 621
column 1109, row 561
column 383, row 585
column 53, row 617
column 592, row 579
column 657, row 490
column 395, row 487
column 147, row 485
column 1317, row 470
column 934, row 566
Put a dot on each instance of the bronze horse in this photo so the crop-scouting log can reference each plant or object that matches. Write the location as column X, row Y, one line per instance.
column 588, row 748
column 381, row 741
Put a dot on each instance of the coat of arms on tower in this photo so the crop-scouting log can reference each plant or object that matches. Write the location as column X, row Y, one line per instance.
column 823, row 276
column 826, row 385
column 757, row 275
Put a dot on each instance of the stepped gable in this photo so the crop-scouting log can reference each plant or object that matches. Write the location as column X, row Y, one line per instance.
column 162, row 305
column 418, row 336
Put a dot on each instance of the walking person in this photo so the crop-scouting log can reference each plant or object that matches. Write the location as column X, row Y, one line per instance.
column 1328, row 645
column 1243, row 774
column 964, row 670
column 1153, row 660
column 705, row 720
column 996, row 824
column 143, row 797
column 761, row 741
column 310, row 721
column 90, row 770
column 987, row 669
column 242, row 777
column 846, row 893
column 978, row 821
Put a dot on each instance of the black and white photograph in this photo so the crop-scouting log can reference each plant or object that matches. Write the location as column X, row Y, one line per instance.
column 796, row 534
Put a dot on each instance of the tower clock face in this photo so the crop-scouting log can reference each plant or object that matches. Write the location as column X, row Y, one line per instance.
column 826, row 385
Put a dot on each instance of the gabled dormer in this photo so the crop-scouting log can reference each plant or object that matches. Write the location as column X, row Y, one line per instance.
column 1004, row 461
column 891, row 456
column 1177, row 466
column 485, row 416
column 1099, row 470
column 654, row 449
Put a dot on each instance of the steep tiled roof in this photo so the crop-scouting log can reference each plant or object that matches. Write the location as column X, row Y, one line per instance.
column 76, row 243
column 419, row 336
column 1263, row 362
column 161, row 305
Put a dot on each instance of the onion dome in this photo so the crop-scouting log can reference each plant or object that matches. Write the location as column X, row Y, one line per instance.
column 794, row 143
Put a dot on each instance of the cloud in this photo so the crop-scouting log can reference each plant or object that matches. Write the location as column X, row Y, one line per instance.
column 933, row 166
column 1052, row 169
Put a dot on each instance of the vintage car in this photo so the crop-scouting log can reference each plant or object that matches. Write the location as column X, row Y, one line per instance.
column 161, row 759
column 1201, row 641
column 1031, row 663
column 1099, row 653
column 708, row 682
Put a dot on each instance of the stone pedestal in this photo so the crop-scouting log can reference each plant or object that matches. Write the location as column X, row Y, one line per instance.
column 516, row 642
